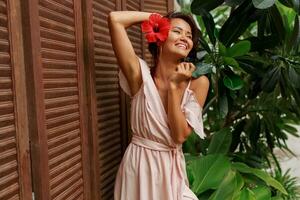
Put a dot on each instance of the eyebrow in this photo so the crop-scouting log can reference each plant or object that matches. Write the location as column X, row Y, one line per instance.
column 182, row 29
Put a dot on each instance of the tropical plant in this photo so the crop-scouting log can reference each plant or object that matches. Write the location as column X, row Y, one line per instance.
column 289, row 183
column 251, row 53
column 217, row 176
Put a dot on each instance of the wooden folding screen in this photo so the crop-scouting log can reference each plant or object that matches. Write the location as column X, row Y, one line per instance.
column 105, row 101
column 70, row 109
column 15, row 180
column 58, row 117
column 109, row 106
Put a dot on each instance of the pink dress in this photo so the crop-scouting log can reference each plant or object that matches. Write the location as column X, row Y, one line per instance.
column 153, row 166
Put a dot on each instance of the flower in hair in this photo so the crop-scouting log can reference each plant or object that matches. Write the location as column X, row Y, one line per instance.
column 156, row 28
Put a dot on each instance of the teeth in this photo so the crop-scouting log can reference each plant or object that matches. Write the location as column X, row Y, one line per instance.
column 181, row 46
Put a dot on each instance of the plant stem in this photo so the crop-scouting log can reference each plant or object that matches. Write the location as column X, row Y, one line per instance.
column 209, row 104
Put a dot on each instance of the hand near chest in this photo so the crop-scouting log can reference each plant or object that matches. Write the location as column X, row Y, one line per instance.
column 182, row 73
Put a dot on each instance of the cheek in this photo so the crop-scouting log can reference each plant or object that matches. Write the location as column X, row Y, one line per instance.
column 171, row 37
column 191, row 44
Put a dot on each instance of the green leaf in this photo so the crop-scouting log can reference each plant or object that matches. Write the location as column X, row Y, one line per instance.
column 209, row 25
column 239, row 49
column 189, row 157
column 262, row 193
column 201, row 69
column 223, row 106
column 243, row 168
column 295, row 37
column 263, row 4
column 220, row 142
column 226, row 189
column 197, row 6
column 208, row 171
column 233, row 3
column 277, row 198
column 247, row 194
column 264, row 42
column 191, row 144
column 231, row 62
column 233, row 82
column 294, row 77
column 269, row 180
column 277, row 26
column 290, row 129
column 240, row 181
column 222, row 49
column 248, row 67
column 261, row 25
column 287, row 3
column 253, row 130
column 291, row 4
column 237, row 23
column 236, row 134
column 270, row 79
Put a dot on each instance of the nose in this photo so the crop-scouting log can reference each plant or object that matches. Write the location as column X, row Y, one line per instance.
column 183, row 38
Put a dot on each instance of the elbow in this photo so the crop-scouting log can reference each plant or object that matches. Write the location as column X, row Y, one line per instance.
column 181, row 138
column 111, row 17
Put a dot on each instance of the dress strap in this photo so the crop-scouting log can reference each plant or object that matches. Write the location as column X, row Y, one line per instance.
column 189, row 83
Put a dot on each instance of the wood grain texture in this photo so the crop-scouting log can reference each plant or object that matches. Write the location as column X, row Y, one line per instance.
column 15, row 180
column 58, row 110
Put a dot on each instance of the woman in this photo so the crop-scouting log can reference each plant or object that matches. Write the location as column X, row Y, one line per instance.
column 166, row 105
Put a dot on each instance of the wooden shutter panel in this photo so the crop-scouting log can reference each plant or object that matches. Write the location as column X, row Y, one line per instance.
column 135, row 35
column 14, row 145
column 106, row 104
column 134, row 32
column 59, row 136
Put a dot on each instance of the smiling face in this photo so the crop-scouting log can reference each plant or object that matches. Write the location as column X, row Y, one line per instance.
column 179, row 42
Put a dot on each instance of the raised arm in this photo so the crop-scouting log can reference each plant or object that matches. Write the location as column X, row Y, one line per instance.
column 118, row 21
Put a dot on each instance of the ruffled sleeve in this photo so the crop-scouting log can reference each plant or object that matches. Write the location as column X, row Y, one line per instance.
column 123, row 83
column 193, row 115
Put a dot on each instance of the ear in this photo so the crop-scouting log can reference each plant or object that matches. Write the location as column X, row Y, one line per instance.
column 160, row 48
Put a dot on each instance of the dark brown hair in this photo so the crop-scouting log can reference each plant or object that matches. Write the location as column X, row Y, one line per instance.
column 154, row 50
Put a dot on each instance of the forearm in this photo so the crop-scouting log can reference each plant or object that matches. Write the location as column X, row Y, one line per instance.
column 128, row 18
column 178, row 124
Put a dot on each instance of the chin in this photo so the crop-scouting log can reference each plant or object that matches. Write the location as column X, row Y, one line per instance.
column 180, row 55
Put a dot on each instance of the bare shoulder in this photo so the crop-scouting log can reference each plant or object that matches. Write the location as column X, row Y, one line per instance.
column 200, row 87
column 200, row 82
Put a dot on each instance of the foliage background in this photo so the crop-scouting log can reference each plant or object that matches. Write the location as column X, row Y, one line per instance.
column 250, row 52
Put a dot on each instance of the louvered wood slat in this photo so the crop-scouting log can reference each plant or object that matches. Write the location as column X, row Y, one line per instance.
column 58, row 25
column 14, row 146
column 59, row 136
column 109, row 107
column 110, row 144
column 134, row 32
column 108, row 123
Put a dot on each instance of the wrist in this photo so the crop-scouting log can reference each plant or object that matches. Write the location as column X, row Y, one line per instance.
column 174, row 86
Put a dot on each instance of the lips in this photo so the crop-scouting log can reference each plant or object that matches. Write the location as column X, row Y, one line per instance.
column 181, row 45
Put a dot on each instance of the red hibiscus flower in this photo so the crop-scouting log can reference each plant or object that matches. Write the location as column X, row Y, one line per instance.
column 156, row 28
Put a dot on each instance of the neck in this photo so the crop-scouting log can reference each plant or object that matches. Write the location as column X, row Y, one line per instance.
column 165, row 67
